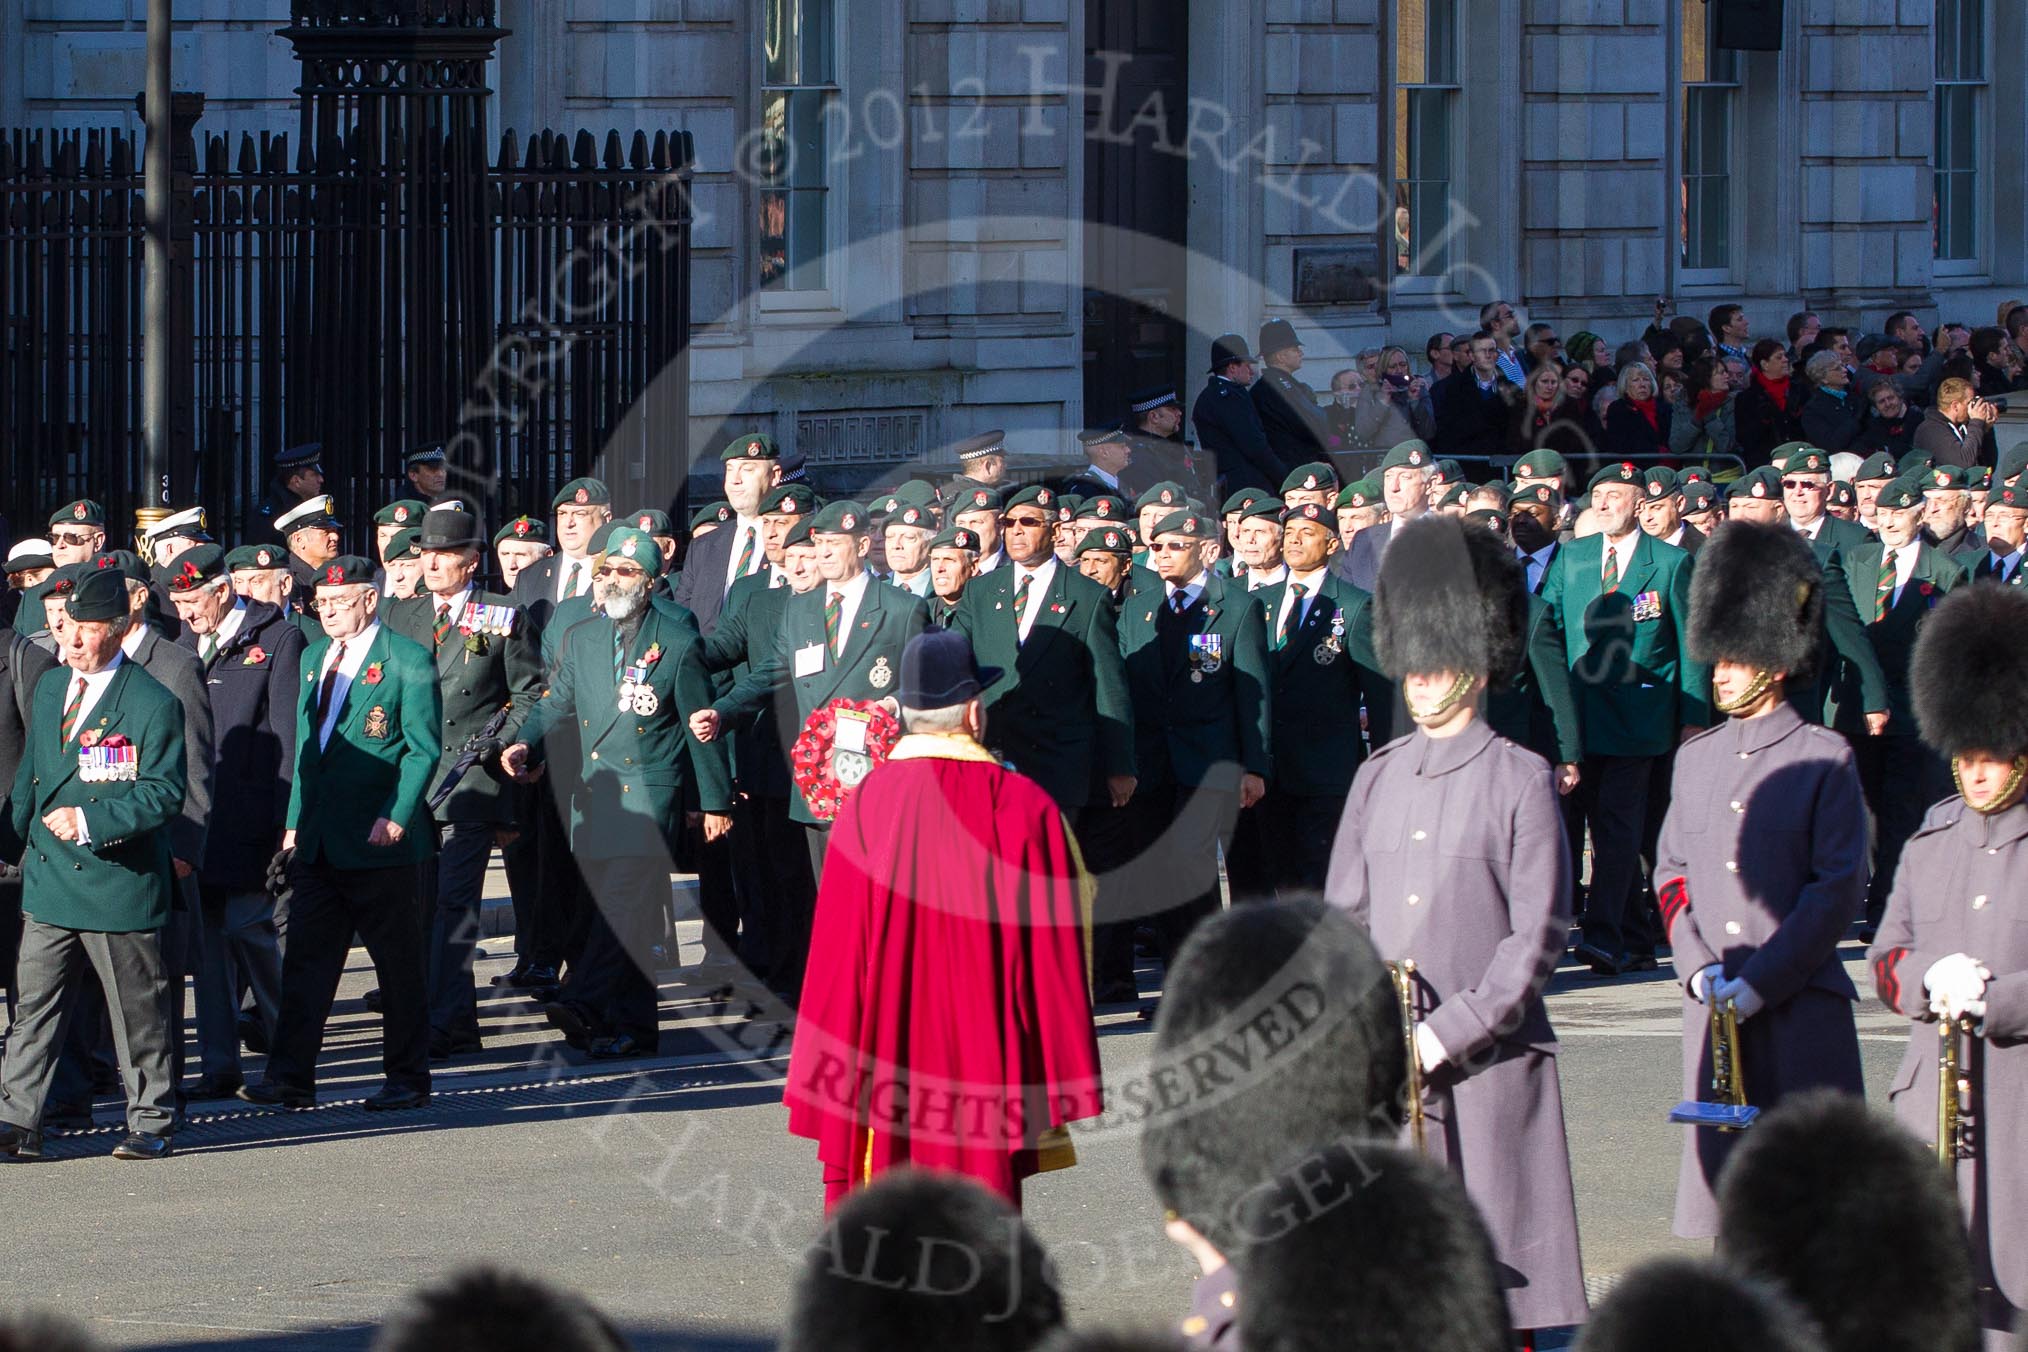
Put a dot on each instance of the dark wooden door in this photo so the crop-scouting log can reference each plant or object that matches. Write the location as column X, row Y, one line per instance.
column 1137, row 67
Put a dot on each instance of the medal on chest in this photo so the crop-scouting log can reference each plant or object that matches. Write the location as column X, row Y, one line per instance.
column 1327, row 651
column 1207, row 655
column 1647, row 606
column 104, row 764
column 636, row 695
column 881, row 676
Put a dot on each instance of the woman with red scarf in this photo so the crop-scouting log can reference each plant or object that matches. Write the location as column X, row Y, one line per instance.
column 1551, row 419
column 1704, row 425
column 1770, row 408
column 1638, row 422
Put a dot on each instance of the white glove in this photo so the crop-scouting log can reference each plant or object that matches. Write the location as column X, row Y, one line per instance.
column 1704, row 979
column 1954, row 983
column 1746, row 1001
column 1429, row 1052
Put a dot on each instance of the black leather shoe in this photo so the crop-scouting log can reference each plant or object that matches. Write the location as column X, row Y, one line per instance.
column 1117, row 993
column 67, row 1117
column 546, row 995
column 396, row 1098
column 276, row 1096
column 139, row 1145
column 1601, row 962
column 20, row 1143
column 252, row 1036
column 371, row 1000
column 1643, row 962
column 515, row 976
column 619, row 1048
column 443, row 1046
column 570, row 1021
column 214, row 1087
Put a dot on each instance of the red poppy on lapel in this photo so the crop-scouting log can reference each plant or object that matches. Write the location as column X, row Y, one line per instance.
column 371, row 676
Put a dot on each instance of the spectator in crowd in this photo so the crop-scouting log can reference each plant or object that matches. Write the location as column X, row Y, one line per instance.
column 1368, row 363
column 1674, row 383
column 1890, row 424
column 1347, row 386
column 1731, row 331
column 1666, row 354
column 1437, row 352
column 1832, row 417
column 1393, row 409
column 1803, row 329
column 1701, row 426
column 1584, row 350
column 1475, row 407
column 1553, row 417
column 1770, row 408
column 1955, row 429
column 1497, row 318
column 1638, row 422
column 1544, row 346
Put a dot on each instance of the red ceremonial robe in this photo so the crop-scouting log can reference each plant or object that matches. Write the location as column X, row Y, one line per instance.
column 946, row 1016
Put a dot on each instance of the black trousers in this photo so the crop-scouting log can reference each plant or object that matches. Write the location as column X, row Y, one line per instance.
column 778, row 894
column 1105, row 836
column 1616, row 915
column 522, row 861
column 1902, row 778
column 1172, row 878
column 1249, row 872
column 613, row 983
column 1296, row 835
column 329, row 906
column 10, row 933
column 453, row 890
column 562, row 907
column 717, row 896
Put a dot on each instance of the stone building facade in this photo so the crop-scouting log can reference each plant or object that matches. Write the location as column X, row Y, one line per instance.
column 918, row 218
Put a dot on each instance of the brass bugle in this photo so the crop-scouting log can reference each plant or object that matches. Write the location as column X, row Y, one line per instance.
column 1403, row 974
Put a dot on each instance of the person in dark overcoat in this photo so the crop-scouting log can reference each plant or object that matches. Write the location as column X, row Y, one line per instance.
column 1451, row 852
column 1761, row 866
column 1954, row 942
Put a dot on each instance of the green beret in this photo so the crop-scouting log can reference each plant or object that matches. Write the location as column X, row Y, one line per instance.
column 752, row 446
column 1456, row 493
column 1448, row 471
column 1843, row 494
column 799, row 534
column 1698, row 494
column 2012, row 463
column 1877, row 466
column 83, row 512
column 651, row 521
column 1413, row 453
column 99, row 595
column 1978, row 476
column 346, row 570
column 1765, row 482
column 1358, row 493
column 1309, row 511
column 125, row 562
column 1068, row 505
column 1500, row 491
column 1625, row 472
column 1164, row 494
column 913, row 517
column 191, row 569
column 401, row 512
column 957, row 537
column 842, row 518
column 1267, row 509
column 1916, row 461
column 582, row 493
column 1944, row 479
column 260, row 557
column 636, row 546
column 1779, row 457
column 405, row 543
column 1659, row 482
column 1193, row 524
column 1106, row 540
column 912, row 493
column 1806, row 459
column 1534, row 491
column 1901, row 494
column 1034, row 495
column 975, row 498
column 1311, row 477
column 1240, row 501
column 1104, row 507
column 2007, row 495
column 789, row 500
column 1542, row 464
column 531, row 529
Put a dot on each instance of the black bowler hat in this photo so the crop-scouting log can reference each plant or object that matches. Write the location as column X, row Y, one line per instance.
column 449, row 528
column 938, row 671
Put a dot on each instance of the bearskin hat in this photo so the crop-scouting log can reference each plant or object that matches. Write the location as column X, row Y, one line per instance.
column 1376, row 1249
column 1450, row 598
column 1849, row 1213
column 1293, row 1010
column 1757, row 597
column 1694, row 1305
column 1115, row 1340
column 488, row 1307
column 924, row 1260
column 1969, row 674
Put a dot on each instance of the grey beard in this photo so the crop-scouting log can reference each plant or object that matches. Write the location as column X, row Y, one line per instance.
column 622, row 606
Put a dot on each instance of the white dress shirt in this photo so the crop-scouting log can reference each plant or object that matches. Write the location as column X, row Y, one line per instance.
column 1256, row 578
column 212, row 644
column 850, row 593
column 457, row 604
column 991, row 561
column 742, row 528
column 1044, row 574
column 94, row 688
column 573, row 577
column 1190, row 591
column 355, row 658
column 1904, row 565
column 1309, row 582
column 1622, row 550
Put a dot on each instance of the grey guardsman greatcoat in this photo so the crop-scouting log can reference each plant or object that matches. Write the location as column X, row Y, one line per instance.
column 1762, row 869
column 1451, row 852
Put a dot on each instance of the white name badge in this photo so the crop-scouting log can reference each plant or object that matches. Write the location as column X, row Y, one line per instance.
column 810, row 660
column 851, row 732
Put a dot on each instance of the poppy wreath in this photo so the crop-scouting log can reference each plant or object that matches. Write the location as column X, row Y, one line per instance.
column 816, row 774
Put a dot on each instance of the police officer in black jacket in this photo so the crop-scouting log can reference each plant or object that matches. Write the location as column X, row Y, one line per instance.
column 1296, row 431
column 1229, row 426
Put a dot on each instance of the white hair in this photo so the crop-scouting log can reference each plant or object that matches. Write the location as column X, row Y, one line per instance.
column 950, row 718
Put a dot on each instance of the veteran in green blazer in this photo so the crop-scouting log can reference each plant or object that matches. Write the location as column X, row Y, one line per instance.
column 627, row 681
column 89, row 818
column 369, row 726
column 1319, row 631
column 1197, row 672
column 1622, row 599
column 1059, row 712
column 1895, row 582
